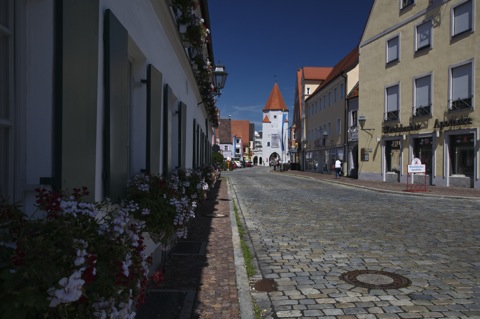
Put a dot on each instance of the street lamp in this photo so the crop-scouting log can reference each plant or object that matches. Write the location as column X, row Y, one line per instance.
column 219, row 77
column 362, row 119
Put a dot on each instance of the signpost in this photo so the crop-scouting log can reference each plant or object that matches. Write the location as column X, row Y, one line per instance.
column 416, row 168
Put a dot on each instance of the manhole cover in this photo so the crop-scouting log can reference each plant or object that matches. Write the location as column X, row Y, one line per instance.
column 265, row 285
column 375, row 279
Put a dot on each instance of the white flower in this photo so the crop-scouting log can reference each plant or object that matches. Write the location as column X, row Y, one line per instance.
column 70, row 290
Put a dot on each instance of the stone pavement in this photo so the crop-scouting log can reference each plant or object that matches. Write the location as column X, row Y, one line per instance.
column 202, row 267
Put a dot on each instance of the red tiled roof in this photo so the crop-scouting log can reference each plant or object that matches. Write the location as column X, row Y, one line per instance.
column 241, row 129
column 316, row 73
column 266, row 119
column 354, row 92
column 345, row 64
column 275, row 101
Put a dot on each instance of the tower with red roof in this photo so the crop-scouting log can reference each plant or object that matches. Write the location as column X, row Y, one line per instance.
column 275, row 128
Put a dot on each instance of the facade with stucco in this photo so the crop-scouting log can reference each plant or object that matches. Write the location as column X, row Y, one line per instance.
column 419, row 75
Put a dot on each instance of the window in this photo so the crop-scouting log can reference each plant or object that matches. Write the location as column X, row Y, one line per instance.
column 225, row 148
column 462, row 18
column 392, row 50
column 329, row 98
column 392, row 101
column 342, row 91
column 324, row 101
column 406, row 3
column 423, row 36
column 334, row 95
column 423, row 95
column 339, row 126
column 6, row 97
column 308, row 90
column 354, row 118
column 461, row 87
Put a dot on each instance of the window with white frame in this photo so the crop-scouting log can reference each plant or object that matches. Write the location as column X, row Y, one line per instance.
column 393, row 50
column 423, row 96
column 462, row 18
column 461, row 82
column 423, row 35
column 6, row 99
column 392, row 103
column 406, row 3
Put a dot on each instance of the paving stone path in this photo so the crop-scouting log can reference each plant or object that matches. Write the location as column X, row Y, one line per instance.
column 307, row 233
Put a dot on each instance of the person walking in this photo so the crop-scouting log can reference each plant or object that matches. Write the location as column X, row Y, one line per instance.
column 338, row 168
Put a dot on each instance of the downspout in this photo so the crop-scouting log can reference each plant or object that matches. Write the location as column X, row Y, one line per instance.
column 345, row 130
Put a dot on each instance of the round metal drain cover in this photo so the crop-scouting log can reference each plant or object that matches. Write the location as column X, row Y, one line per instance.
column 265, row 285
column 375, row 279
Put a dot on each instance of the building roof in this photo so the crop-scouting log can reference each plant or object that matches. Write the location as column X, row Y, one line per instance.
column 266, row 119
column 275, row 101
column 241, row 129
column 225, row 131
column 316, row 73
column 345, row 65
column 354, row 92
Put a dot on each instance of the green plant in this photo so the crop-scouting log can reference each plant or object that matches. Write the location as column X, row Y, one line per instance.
column 80, row 260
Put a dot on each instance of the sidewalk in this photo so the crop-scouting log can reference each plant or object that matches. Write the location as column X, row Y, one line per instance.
column 442, row 191
column 200, row 273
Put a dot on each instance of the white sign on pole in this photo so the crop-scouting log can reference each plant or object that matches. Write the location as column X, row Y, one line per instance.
column 416, row 166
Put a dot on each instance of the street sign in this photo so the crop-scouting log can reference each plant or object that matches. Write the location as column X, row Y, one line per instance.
column 416, row 166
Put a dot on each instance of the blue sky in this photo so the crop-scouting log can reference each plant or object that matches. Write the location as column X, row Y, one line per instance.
column 261, row 42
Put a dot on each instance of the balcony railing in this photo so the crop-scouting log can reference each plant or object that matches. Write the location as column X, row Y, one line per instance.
column 461, row 104
column 422, row 111
column 392, row 116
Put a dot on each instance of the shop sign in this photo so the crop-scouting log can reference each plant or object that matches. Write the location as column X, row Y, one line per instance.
column 453, row 122
column 400, row 128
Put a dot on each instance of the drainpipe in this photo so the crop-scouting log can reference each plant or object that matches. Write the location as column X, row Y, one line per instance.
column 345, row 129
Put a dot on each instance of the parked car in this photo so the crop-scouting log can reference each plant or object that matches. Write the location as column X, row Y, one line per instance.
column 237, row 164
column 248, row 164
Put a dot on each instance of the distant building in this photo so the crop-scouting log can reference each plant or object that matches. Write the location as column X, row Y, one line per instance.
column 307, row 81
column 275, row 128
column 328, row 120
column 234, row 138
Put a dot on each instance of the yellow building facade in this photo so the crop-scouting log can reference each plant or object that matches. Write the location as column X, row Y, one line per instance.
column 419, row 83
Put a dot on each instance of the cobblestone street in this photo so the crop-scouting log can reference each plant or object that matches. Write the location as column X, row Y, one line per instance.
column 308, row 234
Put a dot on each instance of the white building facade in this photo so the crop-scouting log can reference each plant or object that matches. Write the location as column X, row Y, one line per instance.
column 96, row 91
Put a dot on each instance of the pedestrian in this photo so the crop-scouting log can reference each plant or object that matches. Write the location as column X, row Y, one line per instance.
column 338, row 168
